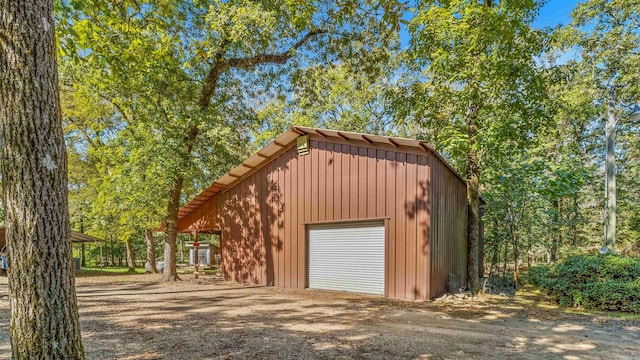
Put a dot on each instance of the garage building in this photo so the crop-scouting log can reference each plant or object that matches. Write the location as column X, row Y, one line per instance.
column 337, row 210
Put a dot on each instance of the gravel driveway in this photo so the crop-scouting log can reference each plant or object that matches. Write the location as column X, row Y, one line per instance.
column 138, row 317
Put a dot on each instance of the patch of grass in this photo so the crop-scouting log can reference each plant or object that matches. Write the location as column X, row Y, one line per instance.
column 190, row 271
column 111, row 270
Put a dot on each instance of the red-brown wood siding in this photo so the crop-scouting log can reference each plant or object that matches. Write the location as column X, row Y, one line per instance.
column 262, row 218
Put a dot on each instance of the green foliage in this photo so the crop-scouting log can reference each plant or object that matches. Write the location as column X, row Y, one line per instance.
column 537, row 275
column 161, row 97
column 610, row 283
column 355, row 95
column 478, row 61
column 608, row 33
column 555, row 178
column 482, row 94
column 132, row 75
column 611, row 296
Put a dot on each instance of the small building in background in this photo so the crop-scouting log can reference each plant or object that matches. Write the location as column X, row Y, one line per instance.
column 76, row 238
column 207, row 254
column 204, row 254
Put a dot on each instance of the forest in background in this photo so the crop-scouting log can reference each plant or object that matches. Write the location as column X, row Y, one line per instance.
column 158, row 98
column 142, row 115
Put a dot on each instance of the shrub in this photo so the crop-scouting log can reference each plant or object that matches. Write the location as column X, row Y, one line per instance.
column 610, row 283
column 611, row 296
column 537, row 275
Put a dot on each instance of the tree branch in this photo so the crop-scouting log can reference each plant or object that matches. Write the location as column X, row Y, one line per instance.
column 84, row 133
column 118, row 107
column 220, row 65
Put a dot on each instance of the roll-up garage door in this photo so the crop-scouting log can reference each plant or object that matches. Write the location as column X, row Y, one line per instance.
column 347, row 257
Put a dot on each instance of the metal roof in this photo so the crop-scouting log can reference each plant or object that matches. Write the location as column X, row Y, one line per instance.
column 286, row 140
column 76, row 237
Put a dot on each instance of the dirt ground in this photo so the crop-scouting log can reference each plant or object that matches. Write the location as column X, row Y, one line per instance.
column 138, row 317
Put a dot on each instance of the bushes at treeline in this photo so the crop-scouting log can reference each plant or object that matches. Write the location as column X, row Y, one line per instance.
column 610, row 283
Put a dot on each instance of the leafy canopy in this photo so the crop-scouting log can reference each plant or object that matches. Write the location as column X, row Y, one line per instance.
column 477, row 60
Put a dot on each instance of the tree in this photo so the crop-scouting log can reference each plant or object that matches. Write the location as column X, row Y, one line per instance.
column 480, row 84
column 151, row 250
column 115, row 187
column 556, row 170
column 608, row 34
column 44, row 315
column 202, row 67
column 566, row 148
column 356, row 94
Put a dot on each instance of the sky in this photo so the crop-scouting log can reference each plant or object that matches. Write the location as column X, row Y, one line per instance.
column 552, row 14
column 555, row 12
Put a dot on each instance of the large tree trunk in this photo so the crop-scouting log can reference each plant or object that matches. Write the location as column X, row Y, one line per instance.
column 473, row 194
column 131, row 256
column 169, row 272
column 151, row 251
column 44, row 315
column 574, row 220
column 516, row 255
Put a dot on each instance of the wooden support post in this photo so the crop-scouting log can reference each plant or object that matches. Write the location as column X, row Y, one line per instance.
column 195, row 254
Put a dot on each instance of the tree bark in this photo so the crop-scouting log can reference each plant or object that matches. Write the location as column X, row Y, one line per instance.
column 169, row 271
column 555, row 232
column 574, row 220
column 516, row 255
column 151, row 251
column 496, row 253
column 113, row 259
column 43, row 306
column 131, row 256
column 610, row 168
column 83, row 261
column 473, row 195
column 505, row 257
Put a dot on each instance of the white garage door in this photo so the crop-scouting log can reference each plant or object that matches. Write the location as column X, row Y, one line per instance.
column 347, row 257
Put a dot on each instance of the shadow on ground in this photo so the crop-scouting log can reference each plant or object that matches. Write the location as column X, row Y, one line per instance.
column 212, row 319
